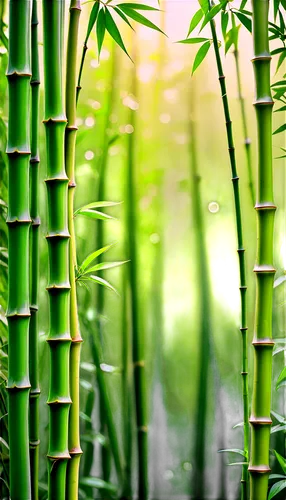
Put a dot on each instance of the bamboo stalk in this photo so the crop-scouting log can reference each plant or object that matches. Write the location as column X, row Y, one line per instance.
column 70, row 142
column 241, row 257
column 262, row 338
column 59, row 338
column 34, row 261
column 138, row 340
column 247, row 140
column 18, row 221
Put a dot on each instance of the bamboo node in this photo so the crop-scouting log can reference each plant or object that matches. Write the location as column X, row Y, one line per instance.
column 266, row 342
column 71, row 185
column 55, row 120
column 221, row 77
column 75, row 451
column 71, row 128
column 25, row 313
column 238, row 251
column 263, row 101
column 234, row 178
column 35, row 159
column 35, row 393
column 62, row 178
column 243, row 328
column 59, row 456
column 34, row 308
column 60, row 401
column 62, row 234
column 260, row 420
column 259, row 469
column 34, row 444
column 16, row 221
column 16, row 74
column 264, row 269
column 247, row 141
column 267, row 205
column 36, row 221
column 261, row 57
column 16, row 152
column 34, row 83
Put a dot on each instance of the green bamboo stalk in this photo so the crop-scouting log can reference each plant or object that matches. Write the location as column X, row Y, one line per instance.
column 89, row 448
column 18, row 220
column 34, row 262
column 262, row 337
column 59, row 338
column 138, row 340
column 241, row 256
column 247, row 140
column 70, row 142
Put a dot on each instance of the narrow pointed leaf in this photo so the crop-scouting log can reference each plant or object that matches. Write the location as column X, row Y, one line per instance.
column 105, row 265
column 195, row 21
column 100, row 30
column 96, row 482
column 98, row 204
column 201, row 54
column 224, row 22
column 281, row 380
column 233, row 450
column 246, row 21
column 276, row 488
column 140, row 18
column 114, row 31
column 90, row 258
column 136, row 6
column 101, row 281
column 120, row 13
column 280, row 129
column 194, row 40
column 212, row 13
column 92, row 19
column 94, row 214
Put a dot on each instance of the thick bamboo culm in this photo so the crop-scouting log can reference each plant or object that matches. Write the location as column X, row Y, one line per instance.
column 18, row 221
column 34, row 261
column 58, row 237
column 241, row 251
column 262, row 337
column 70, row 142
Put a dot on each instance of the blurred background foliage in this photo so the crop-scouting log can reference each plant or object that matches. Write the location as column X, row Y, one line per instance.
column 168, row 283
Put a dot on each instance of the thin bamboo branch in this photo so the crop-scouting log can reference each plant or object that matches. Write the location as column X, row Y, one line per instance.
column 241, row 257
column 70, row 143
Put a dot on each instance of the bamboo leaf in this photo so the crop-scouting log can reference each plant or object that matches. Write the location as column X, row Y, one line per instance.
column 243, row 4
column 278, row 428
column 283, row 108
column 84, row 417
column 224, row 22
column 95, row 214
column 92, row 19
column 100, row 30
column 2, row 441
column 194, row 40
column 276, row 415
column 276, row 488
column 91, row 257
column 240, row 424
column 201, row 54
column 279, row 281
column 281, row 59
column 105, row 265
column 98, row 204
column 237, row 463
column 231, row 38
column 136, row 6
column 233, row 450
column 204, row 5
column 281, row 379
column 276, row 7
column 96, row 482
column 280, row 129
column 212, row 13
column 139, row 18
column 281, row 460
column 101, row 281
column 114, row 31
column 118, row 11
column 276, row 476
column 247, row 23
column 195, row 21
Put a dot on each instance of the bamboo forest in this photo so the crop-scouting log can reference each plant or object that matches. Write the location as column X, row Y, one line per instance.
column 142, row 249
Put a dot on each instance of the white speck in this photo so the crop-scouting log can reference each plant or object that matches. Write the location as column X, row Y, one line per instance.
column 155, row 238
column 165, row 118
column 89, row 155
column 187, row 466
column 168, row 474
column 89, row 122
column 79, row 122
column 129, row 129
column 213, row 207
column 94, row 63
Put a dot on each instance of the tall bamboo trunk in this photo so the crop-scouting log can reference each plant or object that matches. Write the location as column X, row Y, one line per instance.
column 18, row 220
column 138, row 340
column 262, row 338
column 241, row 257
column 70, row 142
column 34, row 261
column 59, row 338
